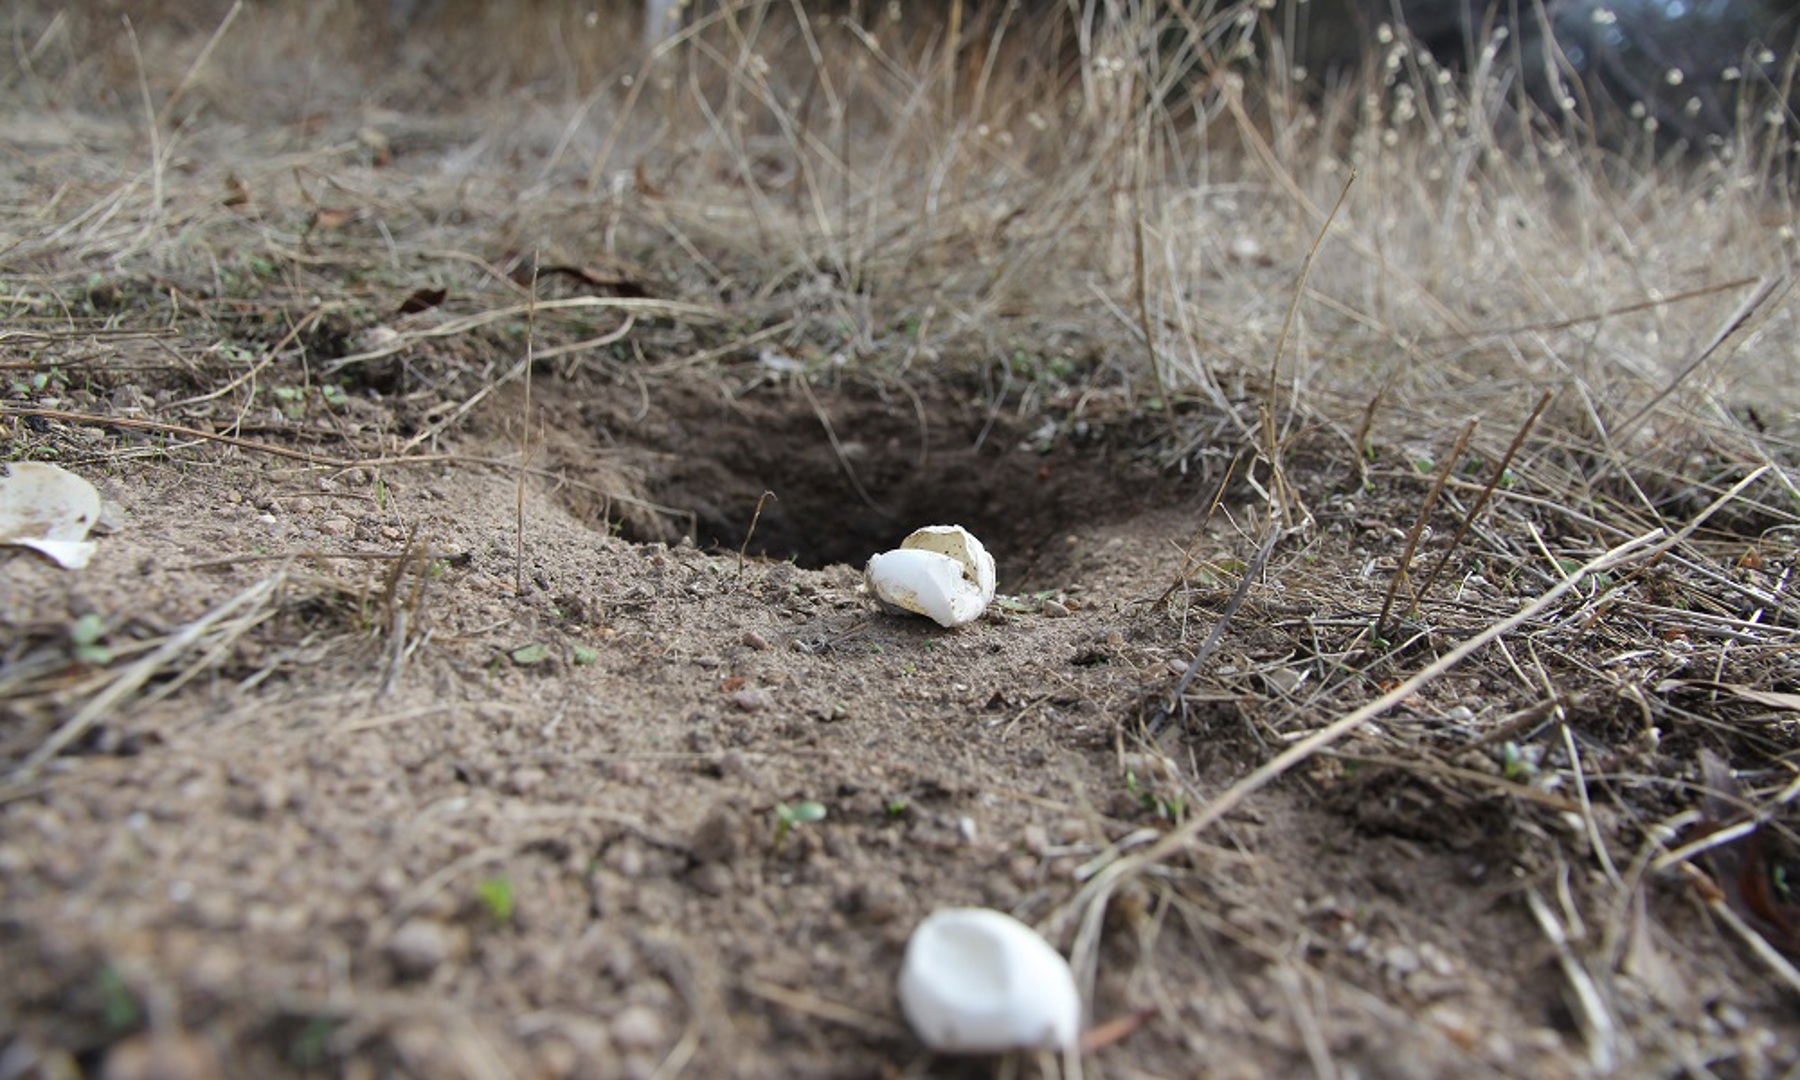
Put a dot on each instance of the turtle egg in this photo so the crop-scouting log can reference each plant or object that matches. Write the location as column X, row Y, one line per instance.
column 978, row 981
column 941, row 572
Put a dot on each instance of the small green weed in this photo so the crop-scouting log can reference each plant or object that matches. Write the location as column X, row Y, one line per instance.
column 118, row 1005
column 497, row 895
column 1165, row 807
column 527, row 655
column 788, row 818
column 311, row 1046
column 84, row 640
column 1515, row 766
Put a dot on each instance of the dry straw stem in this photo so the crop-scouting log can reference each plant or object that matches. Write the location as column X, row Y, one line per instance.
column 1468, row 521
column 1448, row 466
column 1771, row 957
column 1092, row 899
column 1598, row 1027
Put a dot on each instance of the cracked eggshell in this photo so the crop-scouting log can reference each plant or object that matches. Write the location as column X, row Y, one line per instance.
column 48, row 509
column 939, row 571
column 978, row 981
column 925, row 583
column 960, row 544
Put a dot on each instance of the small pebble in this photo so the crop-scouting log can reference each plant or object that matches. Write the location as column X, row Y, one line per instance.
column 627, row 859
column 419, row 947
column 637, row 1027
column 524, row 780
column 1400, row 959
column 336, row 526
column 752, row 700
column 716, row 838
column 712, row 879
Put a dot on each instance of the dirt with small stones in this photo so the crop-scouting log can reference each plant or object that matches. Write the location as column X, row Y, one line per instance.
column 293, row 853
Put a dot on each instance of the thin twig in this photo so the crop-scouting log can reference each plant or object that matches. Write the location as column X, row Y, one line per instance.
column 1251, row 574
column 755, row 517
column 1732, row 325
column 189, row 77
column 1481, row 502
column 524, row 437
column 1596, row 1021
column 837, row 448
column 1412, row 538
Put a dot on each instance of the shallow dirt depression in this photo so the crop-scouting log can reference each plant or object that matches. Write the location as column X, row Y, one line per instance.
column 851, row 470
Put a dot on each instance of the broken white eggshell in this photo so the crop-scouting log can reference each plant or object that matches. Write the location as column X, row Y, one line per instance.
column 978, row 981
column 941, row 572
column 48, row 509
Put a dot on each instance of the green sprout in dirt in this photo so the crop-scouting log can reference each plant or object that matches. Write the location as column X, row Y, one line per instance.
column 118, row 1006
column 1515, row 766
column 85, row 636
column 1165, row 807
column 292, row 400
column 527, row 655
column 788, row 818
column 1781, row 881
column 311, row 1046
column 497, row 895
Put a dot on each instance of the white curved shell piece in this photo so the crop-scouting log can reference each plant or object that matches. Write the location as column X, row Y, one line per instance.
column 978, row 981
column 48, row 509
column 941, row 572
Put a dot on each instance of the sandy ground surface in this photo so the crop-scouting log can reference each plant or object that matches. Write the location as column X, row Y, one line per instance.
column 287, row 844
column 380, row 756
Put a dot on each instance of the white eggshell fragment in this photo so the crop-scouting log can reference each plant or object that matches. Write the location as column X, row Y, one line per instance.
column 960, row 544
column 48, row 509
column 977, row 981
column 941, row 572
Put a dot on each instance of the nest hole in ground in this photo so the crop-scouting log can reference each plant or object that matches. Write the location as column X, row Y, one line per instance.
column 852, row 471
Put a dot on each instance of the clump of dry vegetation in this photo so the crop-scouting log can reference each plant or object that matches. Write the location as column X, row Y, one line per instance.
column 1476, row 417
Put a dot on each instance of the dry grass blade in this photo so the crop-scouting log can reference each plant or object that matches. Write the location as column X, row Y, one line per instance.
column 1595, row 1019
column 1418, row 528
column 134, row 677
column 1252, row 574
column 824, row 1008
column 1481, row 501
column 525, row 444
column 837, row 448
column 755, row 516
column 132, row 424
column 1759, row 946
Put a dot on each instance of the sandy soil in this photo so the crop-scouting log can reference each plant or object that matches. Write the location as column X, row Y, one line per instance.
column 288, row 845
column 391, row 759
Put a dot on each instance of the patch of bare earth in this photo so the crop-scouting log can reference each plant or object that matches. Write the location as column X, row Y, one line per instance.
column 394, row 811
column 412, row 721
